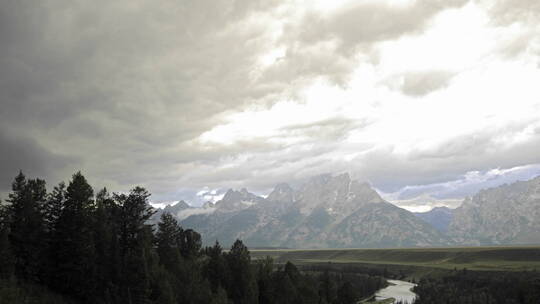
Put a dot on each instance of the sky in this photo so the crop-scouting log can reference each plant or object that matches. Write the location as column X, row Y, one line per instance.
column 427, row 100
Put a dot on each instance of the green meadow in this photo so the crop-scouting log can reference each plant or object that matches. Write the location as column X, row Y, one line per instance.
column 524, row 258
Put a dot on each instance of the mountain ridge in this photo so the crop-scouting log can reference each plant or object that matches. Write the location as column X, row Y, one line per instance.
column 312, row 215
column 507, row 214
column 338, row 212
column 438, row 217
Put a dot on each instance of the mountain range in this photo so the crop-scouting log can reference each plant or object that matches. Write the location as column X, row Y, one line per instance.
column 438, row 217
column 338, row 212
column 508, row 214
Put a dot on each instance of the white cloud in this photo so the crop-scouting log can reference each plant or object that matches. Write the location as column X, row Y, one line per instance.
column 209, row 195
column 467, row 185
column 428, row 99
column 180, row 96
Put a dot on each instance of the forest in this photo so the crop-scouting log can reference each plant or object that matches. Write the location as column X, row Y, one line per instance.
column 470, row 287
column 70, row 245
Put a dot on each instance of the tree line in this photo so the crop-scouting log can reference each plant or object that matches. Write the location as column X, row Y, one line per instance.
column 464, row 287
column 71, row 245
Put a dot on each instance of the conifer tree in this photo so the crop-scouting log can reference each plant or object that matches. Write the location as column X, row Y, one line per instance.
column 53, row 208
column 7, row 259
column 242, row 287
column 51, row 214
column 346, row 294
column 216, row 270
column 73, row 243
column 105, row 238
column 26, row 234
column 168, row 241
column 135, row 241
column 264, row 280
column 327, row 287
column 284, row 290
column 190, row 244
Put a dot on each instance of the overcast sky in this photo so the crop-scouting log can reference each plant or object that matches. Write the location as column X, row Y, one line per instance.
column 428, row 97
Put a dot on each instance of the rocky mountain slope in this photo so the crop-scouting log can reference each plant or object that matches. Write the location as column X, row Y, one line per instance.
column 335, row 211
column 175, row 210
column 327, row 211
column 438, row 217
column 508, row 214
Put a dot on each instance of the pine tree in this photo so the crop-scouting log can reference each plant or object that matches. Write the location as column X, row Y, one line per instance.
column 105, row 238
column 26, row 234
column 162, row 289
column 73, row 243
column 284, row 291
column 51, row 213
column 168, row 241
column 190, row 244
column 264, row 280
column 293, row 272
column 327, row 287
column 135, row 241
column 346, row 294
column 7, row 259
column 53, row 208
column 215, row 271
column 242, row 288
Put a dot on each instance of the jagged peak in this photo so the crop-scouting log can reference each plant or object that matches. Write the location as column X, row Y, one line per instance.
column 237, row 200
column 231, row 194
column 281, row 192
column 283, row 187
column 235, row 194
column 180, row 205
column 320, row 179
column 362, row 185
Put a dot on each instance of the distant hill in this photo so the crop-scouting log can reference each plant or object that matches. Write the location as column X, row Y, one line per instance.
column 438, row 217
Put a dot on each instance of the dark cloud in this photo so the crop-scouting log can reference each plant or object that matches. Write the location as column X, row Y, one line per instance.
column 123, row 90
column 125, row 86
column 19, row 153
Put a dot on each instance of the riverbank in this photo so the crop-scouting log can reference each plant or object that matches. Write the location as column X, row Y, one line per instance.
column 373, row 301
column 400, row 291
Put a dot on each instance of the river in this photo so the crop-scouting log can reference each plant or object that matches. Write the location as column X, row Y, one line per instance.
column 399, row 290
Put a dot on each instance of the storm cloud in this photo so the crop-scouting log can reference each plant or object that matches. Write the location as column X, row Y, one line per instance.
column 184, row 96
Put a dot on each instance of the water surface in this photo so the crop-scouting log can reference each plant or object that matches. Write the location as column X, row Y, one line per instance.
column 400, row 290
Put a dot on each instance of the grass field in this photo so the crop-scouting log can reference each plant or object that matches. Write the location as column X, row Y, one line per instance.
column 473, row 258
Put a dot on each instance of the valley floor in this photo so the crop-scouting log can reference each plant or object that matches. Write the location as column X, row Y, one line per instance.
column 525, row 258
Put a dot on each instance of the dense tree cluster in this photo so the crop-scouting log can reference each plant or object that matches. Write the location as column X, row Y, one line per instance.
column 466, row 287
column 73, row 246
